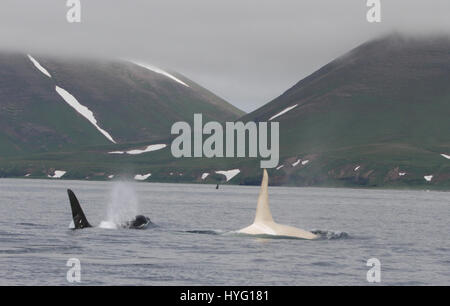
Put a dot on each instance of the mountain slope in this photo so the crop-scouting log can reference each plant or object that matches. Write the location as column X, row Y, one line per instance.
column 33, row 117
column 375, row 117
column 384, row 106
column 129, row 102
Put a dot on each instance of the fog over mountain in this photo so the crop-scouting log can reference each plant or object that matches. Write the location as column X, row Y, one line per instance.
column 246, row 51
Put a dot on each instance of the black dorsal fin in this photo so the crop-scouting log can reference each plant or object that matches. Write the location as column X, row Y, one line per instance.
column 79, row 219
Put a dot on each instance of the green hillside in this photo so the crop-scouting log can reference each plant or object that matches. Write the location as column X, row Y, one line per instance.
column 384, row 106
column 32, row 115
column 130, row 102
column 375, row 117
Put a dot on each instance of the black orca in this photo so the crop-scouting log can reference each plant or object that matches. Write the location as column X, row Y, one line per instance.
column 80, row 221
column 139, row 222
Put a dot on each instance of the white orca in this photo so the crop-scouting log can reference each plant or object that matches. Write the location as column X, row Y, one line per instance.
column 264, row 224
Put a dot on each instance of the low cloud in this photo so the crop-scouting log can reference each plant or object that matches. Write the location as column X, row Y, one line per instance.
column 247, row 51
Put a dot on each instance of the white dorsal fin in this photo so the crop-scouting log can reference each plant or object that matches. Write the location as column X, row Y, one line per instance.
column 263, row 213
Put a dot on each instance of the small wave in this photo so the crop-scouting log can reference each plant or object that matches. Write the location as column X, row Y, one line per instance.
column 40, row 249
column 322, row 264
column 330, row 235
column 34, row 225
column 205, row 232
column 26, row 224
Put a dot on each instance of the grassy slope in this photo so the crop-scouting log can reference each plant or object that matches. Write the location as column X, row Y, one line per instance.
column 134, row 103
column 383, row 107
column 130, row 102
column 33, row 117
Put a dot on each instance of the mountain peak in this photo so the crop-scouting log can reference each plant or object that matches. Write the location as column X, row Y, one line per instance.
column 385, row 103
column 50, row 103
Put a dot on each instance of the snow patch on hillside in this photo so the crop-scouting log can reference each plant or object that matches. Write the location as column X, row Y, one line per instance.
column 140, row 177
column 296, row 163
column 445, row 156
column 149, row 148
column 82, row 110
column 160, row 71
column 58, row 174
column 283, row 112
column 229, row 174
column 39, row 66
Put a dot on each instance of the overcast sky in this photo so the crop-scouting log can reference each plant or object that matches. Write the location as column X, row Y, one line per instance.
column 246, row 51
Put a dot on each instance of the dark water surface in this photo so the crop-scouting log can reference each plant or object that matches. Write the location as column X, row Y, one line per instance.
column 193, row 244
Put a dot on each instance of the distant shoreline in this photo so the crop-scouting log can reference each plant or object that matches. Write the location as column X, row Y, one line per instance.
column 154, row 181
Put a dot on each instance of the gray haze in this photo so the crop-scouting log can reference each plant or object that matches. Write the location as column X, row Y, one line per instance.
column 246, row 51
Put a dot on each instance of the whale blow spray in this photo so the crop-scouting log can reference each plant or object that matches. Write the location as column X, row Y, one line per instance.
column 123, row 205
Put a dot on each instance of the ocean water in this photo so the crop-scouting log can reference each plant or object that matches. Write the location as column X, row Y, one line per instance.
column 194, row 244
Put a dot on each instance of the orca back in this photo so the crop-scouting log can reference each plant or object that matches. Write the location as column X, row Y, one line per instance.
column 140, row 222
column 79, row 219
